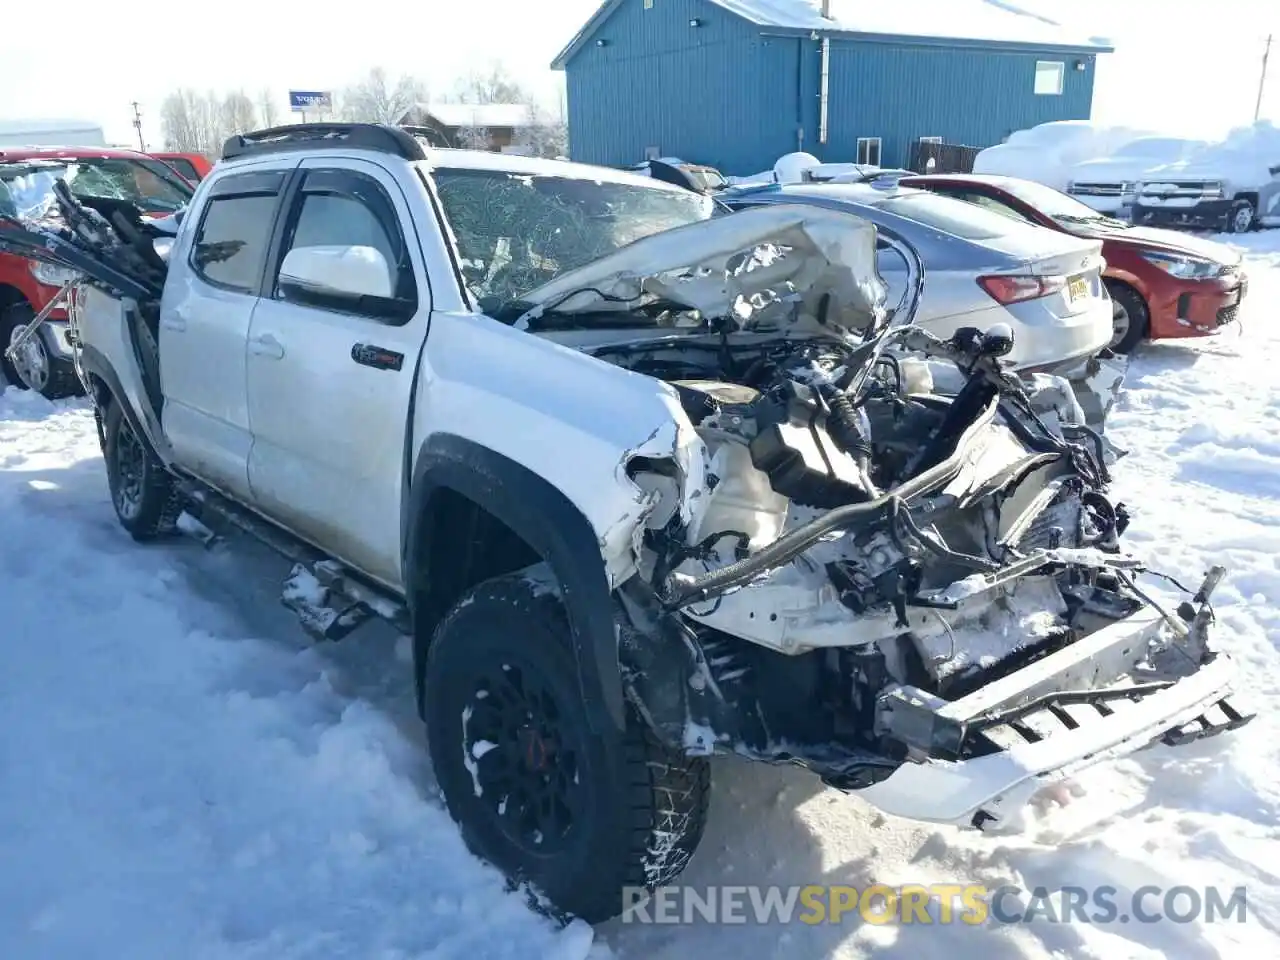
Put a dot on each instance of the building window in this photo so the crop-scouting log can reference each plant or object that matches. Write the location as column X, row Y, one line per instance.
column 869, row 151
column 648, row 4
column 930, row 139
column 1049, row 77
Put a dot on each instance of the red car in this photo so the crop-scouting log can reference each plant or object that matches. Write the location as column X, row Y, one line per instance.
column 27, row 175
column 1163, row 284
column 194, row 167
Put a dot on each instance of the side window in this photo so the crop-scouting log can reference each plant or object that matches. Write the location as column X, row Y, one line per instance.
column 337, row 210
column 186, row 168
column 235, row 230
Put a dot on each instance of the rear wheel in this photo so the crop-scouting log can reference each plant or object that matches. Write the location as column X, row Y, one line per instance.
column 144, row 494
column 577, row 813
column 33, row 366
column 1131, row 320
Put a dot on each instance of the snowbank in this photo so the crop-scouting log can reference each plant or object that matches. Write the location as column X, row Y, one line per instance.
column 183, row 776
column 1048, row 152
column 1244, row 158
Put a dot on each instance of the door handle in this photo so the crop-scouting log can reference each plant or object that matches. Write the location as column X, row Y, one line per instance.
column 267, row 346
column 173, row 321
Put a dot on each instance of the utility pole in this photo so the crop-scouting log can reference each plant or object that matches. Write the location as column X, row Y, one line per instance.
column 1262, row 80
column 137, row 125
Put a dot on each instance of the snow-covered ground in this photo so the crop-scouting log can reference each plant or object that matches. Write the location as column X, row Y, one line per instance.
column 183, row 775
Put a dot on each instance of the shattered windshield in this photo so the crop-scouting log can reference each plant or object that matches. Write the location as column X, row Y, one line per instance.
column 516, row 232
column 26, row 189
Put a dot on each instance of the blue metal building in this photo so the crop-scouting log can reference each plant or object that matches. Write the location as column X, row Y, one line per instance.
column 738, row 83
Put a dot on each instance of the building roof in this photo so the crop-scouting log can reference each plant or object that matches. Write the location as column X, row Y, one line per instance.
column 480, row 114
column 971, row 21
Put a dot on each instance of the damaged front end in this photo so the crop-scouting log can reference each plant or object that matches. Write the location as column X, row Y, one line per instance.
column 920, row 597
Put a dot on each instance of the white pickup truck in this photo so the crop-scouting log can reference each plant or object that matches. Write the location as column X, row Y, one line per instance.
column 644, row 481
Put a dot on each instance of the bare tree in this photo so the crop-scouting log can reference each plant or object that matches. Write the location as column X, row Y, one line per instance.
column 192, row 122
column 377, row 99
column 494, row 85
column 267, row 109
column 237, row 114
column 474, row 138
column 546, row 135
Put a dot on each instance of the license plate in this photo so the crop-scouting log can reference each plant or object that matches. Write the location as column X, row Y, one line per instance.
column 1077, row 289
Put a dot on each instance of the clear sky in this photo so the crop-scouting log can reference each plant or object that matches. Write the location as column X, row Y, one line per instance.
column 1187, row 66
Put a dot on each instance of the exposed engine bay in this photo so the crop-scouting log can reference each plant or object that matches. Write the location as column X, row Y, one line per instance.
column 867, row 552
column 872, row 577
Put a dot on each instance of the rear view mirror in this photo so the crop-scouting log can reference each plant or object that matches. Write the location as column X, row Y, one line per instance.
column 344, row 272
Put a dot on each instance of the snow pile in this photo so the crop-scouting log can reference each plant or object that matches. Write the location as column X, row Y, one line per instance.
column 1047, row 153
column 1244, row 159
column 176, row 787
column 997, row 20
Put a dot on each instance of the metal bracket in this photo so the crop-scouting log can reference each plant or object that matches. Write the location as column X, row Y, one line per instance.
column 11, row 351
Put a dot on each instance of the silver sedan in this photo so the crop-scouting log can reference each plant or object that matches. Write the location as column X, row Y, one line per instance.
column 981, row 268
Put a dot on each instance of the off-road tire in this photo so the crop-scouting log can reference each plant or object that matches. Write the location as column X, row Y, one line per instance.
column 643, row 806
column 62, row 380
column 1139, row 316
column 1237, row 222
column 144, row 494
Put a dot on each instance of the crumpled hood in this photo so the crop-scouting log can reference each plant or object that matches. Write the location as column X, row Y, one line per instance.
column 828, row 254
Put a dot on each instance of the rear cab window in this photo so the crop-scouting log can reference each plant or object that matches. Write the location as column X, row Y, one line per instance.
column 230, row 245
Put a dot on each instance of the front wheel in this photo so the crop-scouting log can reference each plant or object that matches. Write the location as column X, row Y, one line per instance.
column 1242, row 216
column 144, row 494
column 1130, row 319
column 33, row 366
column 577, row 813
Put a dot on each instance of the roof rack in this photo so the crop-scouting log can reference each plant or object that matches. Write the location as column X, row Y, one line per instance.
column 325, row 136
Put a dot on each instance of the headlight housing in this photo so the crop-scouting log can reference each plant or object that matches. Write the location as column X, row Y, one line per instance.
column 1213, row 190
column 50, row 275
column 1184, row 267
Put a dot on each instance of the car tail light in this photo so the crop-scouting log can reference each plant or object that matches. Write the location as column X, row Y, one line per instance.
column 1006, row 289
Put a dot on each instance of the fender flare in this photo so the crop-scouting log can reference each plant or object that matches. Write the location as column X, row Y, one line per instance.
column 94, row 364
column 553, row 526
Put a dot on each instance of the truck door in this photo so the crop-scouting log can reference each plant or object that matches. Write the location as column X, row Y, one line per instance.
column 204, row 328
column 331, row 374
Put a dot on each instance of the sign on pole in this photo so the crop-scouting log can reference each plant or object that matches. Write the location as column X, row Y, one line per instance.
column 303, row 101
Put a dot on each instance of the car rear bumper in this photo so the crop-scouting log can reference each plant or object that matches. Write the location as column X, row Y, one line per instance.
column 1179, row 212
column 1198, row 308
column 993, row 787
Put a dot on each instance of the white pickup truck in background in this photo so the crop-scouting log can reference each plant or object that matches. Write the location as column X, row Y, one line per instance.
column 1109, row 184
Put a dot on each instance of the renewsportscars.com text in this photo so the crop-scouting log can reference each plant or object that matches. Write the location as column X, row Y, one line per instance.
column 938, row 903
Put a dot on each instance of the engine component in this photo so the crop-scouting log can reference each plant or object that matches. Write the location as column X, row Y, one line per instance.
column 802, row 460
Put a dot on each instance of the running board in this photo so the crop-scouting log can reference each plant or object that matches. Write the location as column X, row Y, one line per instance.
column 324, row 607
column 328, row 600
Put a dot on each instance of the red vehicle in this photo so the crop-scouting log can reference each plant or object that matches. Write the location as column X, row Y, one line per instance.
column 1163, row 284
column 27, row 175
column 193, row 167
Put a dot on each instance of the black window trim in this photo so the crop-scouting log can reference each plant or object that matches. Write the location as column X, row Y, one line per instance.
column 295, row 193
column 251, row 183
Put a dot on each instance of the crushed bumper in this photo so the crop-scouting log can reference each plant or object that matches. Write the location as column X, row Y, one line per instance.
column 1060, row 721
